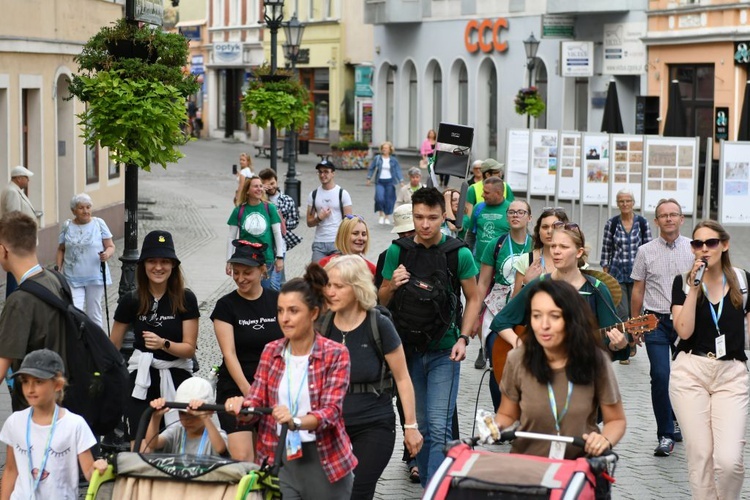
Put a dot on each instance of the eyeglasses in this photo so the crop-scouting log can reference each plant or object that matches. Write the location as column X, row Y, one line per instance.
column 625, row 202
column 669, row 216
column 710, row 243
column 353, row 216
column 519, row 213
column 568, row 226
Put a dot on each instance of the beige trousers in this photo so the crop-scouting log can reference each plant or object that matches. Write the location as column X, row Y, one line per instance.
column 710, row 400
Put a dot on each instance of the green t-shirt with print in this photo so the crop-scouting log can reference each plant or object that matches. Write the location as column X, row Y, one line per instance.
column 488, row 223
column 466, row 269
column 255, row 226
column 510, row 251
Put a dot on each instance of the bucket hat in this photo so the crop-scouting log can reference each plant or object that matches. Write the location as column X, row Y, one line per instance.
column 158, row 245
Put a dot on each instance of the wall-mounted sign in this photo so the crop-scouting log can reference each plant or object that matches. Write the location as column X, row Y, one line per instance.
column 721, row 124
column 363, row 81
column 556, row 26
column 624, row 52
column 145, row 11
column 191, row 32
column 485, row 35
column 741, row 53
column 228, row 52
column 577, row 58
column 304, row 56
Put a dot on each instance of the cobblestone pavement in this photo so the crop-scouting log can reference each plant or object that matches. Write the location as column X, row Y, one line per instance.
column 193, row 200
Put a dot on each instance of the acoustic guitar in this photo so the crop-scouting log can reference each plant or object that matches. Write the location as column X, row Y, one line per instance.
column 633, row 326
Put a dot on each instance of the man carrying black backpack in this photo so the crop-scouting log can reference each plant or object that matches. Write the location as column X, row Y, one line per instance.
column 422, row 281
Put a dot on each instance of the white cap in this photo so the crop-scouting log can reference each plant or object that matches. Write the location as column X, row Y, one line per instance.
column 20, row 171
column 402, row 219
column 195, row 388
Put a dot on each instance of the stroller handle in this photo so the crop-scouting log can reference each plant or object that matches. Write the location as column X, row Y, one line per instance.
column 146, row 416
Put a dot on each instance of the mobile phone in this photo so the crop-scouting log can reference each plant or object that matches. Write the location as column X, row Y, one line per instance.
column 234, row 169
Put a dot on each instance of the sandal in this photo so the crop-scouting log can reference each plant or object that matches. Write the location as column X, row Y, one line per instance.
column 414, row 474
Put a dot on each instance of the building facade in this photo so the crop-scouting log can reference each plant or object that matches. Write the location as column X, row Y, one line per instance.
column 38, row 125
column 464, row 62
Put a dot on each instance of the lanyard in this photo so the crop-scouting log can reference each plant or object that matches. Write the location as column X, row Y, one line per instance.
column 553, row 405
column 28, row 273
column 35, row 481
column 513, row 253
column 201, row 445
column 714, row 314
column 294, row 405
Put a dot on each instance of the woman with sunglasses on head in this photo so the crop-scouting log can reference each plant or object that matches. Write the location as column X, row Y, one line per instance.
column 258, row 221
column 352, row 238
column 560, row 378
column 304, row 377
column 497, row 275
column 378, row 362
column 539, row 261
column 244, row 322
column 164, row 316
column 568, row 251
column 708, row 384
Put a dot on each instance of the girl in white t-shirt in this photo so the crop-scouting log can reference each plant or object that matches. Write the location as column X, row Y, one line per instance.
column 246, row 171
column 46, row 443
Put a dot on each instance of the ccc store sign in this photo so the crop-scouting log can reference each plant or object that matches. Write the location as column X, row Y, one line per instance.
column 485, row 35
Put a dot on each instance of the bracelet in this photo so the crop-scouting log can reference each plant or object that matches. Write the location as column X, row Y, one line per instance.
column 413, row 426
column 608, row 441
column 466, row 339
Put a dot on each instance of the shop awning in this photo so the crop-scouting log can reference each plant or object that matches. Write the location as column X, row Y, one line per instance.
column 612, row 119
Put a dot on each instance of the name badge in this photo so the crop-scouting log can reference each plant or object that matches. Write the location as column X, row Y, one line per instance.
column 721, row 346
column 293, row 445
column 557, row 450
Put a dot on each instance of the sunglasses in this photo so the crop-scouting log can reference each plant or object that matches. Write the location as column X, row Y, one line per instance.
column 710, row 243
column 547, row 211
column 151, row 320
column 354, row 216
column 520, row 213
column 568, row 226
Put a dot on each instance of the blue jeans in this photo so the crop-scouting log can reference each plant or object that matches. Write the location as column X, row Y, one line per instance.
column 435, row 378
column 274, row 279
column 385, row 196
column 659, row 347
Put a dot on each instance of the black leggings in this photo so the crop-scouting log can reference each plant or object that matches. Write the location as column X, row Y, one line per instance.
column 373, row 446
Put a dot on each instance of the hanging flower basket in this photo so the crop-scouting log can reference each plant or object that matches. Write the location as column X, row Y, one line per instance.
column 529, row 102
column 280, row 98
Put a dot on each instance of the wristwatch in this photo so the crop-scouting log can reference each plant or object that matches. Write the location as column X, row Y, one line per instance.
column 167, row 344
column 297, row 423
column 466, row 339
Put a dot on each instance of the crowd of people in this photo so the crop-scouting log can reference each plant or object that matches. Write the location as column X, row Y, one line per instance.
column 329, row 351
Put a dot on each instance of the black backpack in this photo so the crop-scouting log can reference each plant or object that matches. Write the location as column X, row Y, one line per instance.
column 429, row 304
column 386, row 377
column 97, row 374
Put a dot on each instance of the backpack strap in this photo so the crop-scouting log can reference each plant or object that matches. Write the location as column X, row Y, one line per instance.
column 341, row 201
column 742, row 282
column 240, row 213
column 325, row 326
column 500, row 242
column 45, row 294
column 314, row 194
column 643, row 223
column 613, row 227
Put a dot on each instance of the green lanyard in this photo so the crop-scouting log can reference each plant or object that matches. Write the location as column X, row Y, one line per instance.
column 553, row 405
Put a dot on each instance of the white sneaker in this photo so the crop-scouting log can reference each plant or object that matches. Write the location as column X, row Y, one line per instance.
column 388, row 221
column 380, row 221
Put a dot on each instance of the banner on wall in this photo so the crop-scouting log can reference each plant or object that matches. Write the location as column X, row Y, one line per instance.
column 577, row 58
column 595, row 169
column 517, row 159
column 569, row 166
column 734, row 179
column 543, row 162
column 624, row 50
column 670, row 165
column 627, row 170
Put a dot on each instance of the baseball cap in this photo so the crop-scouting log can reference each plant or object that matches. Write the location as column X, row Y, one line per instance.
column 490, row 164
column 247, row 253
column 402, row 219
column 43, row 363
column 195, row 388
column 325, row 164
column 20, row 171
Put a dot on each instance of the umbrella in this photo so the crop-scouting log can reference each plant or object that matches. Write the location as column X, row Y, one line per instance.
column 675, row 124
column 743, row 133
column 612, row 119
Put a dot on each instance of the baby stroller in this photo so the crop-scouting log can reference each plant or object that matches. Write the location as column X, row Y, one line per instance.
column 467, row 473
column 143, row 476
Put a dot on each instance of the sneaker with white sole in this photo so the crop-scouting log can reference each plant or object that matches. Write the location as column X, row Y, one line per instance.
column 666, row 445
column 380, row 220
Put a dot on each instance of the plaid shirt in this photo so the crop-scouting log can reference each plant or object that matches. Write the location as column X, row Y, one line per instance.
column 329, row 381
column 657, row 263
column 619, row 250
column 290, row 212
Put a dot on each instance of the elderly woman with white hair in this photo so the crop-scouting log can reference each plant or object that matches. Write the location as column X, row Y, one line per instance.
column 85, row 245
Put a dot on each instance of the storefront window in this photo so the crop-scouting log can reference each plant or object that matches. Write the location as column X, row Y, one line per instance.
column 92, row 164
column 318, row 81
column 697, row 90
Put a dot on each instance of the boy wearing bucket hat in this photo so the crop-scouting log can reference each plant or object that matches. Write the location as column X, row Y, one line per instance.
column 196, row 433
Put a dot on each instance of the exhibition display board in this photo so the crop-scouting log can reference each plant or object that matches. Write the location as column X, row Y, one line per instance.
column 595, row 178
column 569, row 166
column 627, row 171
column 734, row 177
column 670, row 167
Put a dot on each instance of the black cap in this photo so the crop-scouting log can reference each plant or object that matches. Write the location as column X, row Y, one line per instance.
column 158, row 245
column 43, row 364
column 248, row 253
column 325, row 164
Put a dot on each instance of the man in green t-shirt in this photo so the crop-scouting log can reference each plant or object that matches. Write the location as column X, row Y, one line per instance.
column 488, row 219
column 434, row 372
column 475, row 193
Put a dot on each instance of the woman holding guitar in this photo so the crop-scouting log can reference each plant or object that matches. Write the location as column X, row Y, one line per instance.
column 539, row 261
column 708, row 385
column 558, row 379
column 567, row 248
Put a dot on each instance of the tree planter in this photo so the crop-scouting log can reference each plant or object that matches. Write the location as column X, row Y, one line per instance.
column 351, row 155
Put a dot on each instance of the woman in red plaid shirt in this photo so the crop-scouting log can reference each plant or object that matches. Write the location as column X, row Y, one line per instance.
column 304, row 377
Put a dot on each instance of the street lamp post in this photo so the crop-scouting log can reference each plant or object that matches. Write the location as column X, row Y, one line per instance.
column 531, row 45
column 293, row 29
column 273, row 14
